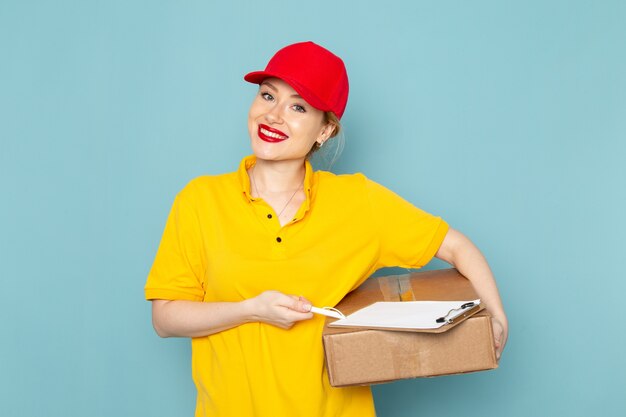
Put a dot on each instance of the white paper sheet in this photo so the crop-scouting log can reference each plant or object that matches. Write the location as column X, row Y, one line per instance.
column 405, row 314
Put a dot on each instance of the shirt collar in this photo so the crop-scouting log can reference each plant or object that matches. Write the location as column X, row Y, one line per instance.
column 244, row 179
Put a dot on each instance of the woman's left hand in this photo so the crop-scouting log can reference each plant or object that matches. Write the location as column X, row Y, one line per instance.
column 500, row 335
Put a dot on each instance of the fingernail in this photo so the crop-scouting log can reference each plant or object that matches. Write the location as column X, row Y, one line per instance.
column 307, row 307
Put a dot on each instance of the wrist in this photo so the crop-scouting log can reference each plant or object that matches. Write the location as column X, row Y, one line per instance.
column 501, row 318
column 249, row 310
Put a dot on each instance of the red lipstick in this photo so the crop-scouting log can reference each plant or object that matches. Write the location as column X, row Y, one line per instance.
column 271, row 135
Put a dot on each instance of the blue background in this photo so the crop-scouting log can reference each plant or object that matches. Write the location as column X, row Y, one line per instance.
column 506, row 118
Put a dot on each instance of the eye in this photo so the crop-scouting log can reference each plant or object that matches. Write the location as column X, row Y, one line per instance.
column 299, row 108
column 267, row 96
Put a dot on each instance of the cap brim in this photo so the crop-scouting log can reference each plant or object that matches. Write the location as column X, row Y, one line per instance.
column 257, row 77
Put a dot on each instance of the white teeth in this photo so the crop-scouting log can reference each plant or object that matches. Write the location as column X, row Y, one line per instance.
column 272, row 134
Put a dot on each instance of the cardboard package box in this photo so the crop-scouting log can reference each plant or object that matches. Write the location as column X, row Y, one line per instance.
column 364, row 356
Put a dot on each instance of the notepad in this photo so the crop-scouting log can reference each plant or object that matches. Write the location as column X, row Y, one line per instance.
column 409, row 315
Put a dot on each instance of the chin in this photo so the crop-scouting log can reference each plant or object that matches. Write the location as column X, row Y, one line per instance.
column 264, row 151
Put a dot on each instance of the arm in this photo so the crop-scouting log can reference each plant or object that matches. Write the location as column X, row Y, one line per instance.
column 461, row 253
column 181, row 318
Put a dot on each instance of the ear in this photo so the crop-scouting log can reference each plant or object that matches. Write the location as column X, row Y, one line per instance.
column 325, row 134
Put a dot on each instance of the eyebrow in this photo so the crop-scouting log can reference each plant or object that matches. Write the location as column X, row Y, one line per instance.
column 270, row 85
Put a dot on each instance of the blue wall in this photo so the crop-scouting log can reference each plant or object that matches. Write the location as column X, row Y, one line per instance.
column 506, row 118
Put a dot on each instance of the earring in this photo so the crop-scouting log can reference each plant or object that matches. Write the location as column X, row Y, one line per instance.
column 320, row 144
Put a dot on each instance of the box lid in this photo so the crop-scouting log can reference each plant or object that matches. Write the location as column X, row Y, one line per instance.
column 438, row 285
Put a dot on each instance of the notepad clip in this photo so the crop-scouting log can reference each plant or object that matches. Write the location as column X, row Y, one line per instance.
column 455, row 313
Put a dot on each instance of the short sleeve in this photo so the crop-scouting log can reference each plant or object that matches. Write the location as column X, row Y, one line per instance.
column 409, row 237
column 178, row 269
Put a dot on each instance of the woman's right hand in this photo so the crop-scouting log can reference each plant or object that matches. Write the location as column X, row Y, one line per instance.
column 280, row 310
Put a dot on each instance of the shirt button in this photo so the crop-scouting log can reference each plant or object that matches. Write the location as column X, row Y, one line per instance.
column 278, row 239
column 269, row 216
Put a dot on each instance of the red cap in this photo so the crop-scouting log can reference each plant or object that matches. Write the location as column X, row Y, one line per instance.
column 317, row 74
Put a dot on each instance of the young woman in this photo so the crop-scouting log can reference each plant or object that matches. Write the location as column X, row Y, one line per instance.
column 244, row 255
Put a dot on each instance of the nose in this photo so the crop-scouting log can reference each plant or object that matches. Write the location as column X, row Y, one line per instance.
column 274, row 115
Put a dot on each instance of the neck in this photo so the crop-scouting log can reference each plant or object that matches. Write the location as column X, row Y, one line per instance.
column 279, row 176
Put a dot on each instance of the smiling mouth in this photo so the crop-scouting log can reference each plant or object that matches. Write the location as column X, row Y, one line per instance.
column 268, row 134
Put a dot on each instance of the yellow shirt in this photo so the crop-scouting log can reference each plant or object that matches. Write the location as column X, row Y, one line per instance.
column 220, row 244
